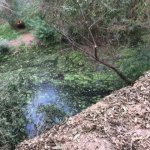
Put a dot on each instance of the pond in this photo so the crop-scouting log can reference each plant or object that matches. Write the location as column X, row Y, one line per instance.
column 40, row 87
column 46, row 95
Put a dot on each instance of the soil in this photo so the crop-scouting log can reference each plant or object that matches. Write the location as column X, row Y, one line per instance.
column 120, row 121
column 26, row 39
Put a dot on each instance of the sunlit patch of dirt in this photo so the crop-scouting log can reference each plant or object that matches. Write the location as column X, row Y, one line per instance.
column 26, row 39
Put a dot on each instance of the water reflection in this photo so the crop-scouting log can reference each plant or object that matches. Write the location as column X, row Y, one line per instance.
column 46, row 95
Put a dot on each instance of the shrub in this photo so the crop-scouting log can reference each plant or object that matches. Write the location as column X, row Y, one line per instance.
column 135, row 61
column 12, row 119
column 6, row 32
column 43, row 31
column 111, row 22
column 4, row 49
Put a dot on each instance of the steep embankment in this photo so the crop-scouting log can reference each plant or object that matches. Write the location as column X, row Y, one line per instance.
column 119, row 121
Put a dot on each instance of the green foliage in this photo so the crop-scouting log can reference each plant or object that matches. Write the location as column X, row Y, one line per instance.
column 13, row 98
column 4, row 49
column 9, row 11
column 43, row 31
column 135, row 61
column 72, row 73
column 112, row 22
column 79, row 80
column 6, row 32
column 14, row 10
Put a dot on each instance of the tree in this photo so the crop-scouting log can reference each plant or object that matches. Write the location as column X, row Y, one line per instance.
column 10, row 10
column 7, row 12
column 89, row 25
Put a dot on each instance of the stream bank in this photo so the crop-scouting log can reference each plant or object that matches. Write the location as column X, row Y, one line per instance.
column 119, row 121
column 49, row 82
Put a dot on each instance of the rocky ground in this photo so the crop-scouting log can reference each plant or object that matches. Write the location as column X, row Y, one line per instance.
column 120, row 121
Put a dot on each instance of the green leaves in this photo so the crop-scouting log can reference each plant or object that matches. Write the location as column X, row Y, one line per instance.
column 7, row 33
column 44, row 32
column 71, row 73
column 12, row 122
column 135, row 61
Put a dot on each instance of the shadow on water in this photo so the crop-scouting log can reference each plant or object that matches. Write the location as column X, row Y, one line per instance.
column 45, row 95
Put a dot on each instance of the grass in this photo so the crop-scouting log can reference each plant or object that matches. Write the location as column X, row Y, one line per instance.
column 6, row 32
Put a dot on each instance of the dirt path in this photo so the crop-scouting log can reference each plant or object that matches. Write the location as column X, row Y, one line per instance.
column 26, row 38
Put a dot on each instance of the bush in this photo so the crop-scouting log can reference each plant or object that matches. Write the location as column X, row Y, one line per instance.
column 4, row 49
column 6, row 32
column 135, row 61
column 43, row 31
column 13, row 98
column 111, row 22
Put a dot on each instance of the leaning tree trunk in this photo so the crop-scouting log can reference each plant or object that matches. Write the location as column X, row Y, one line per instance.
column 119, row 73
column 96, row 58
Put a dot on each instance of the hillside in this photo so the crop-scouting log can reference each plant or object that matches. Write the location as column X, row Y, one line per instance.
column 119, row 121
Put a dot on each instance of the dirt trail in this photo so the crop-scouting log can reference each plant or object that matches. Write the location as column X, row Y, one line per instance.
column 26, row 38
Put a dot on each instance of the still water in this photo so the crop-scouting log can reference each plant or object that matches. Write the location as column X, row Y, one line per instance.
column 45, row 95
column 60, row 83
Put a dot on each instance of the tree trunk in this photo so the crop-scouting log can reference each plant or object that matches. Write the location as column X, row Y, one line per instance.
column 119, row 73
column 96, row 57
